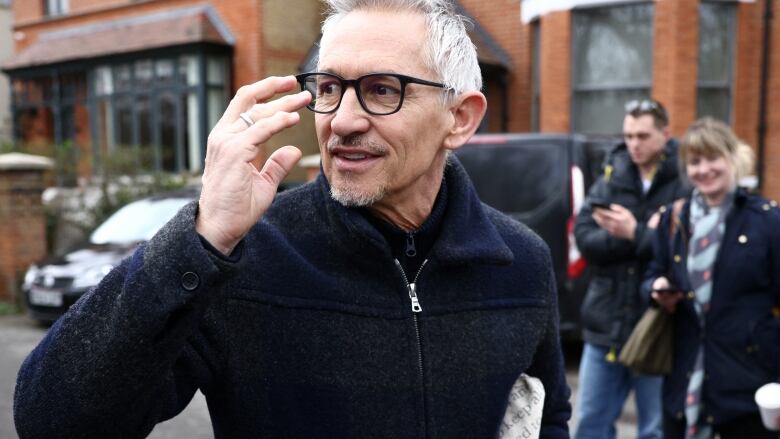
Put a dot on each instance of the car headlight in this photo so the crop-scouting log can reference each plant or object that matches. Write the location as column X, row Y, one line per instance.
column 29, row 276
column 91, row 277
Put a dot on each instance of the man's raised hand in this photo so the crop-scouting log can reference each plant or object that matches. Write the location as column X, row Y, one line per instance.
column 235, row 194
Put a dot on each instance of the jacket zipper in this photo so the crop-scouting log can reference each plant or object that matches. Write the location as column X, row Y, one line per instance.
column 411, row 249
column 416, row 309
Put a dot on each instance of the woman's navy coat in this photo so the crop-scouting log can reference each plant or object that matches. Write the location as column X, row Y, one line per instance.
column 742, row 335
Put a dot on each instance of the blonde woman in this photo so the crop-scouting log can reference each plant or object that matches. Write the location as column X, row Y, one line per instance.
column 717, row 268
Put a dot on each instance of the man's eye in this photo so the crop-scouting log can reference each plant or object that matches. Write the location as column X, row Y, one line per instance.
column 380, row 89
column 328, row 88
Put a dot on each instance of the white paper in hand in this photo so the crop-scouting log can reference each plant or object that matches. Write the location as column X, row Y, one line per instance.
column 523, row 417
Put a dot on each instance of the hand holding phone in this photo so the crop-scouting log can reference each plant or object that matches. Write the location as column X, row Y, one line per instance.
column 666, row 294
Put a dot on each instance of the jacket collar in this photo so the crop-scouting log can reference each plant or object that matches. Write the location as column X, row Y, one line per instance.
column 466, row 235
column 741, row 196
column 625, row 173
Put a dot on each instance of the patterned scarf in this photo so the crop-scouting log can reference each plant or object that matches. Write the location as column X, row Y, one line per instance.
column 708, row 224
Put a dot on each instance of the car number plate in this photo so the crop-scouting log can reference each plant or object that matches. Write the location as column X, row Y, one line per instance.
column 45, row 298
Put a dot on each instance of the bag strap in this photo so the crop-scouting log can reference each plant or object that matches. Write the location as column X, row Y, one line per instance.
column 677, row 207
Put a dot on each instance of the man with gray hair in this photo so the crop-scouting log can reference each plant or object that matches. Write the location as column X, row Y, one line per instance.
column 381, row 300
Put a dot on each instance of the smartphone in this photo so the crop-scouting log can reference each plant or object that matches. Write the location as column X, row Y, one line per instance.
column 601, row 204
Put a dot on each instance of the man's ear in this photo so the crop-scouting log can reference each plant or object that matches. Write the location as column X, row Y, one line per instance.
column 667, row 132
column 467, row 113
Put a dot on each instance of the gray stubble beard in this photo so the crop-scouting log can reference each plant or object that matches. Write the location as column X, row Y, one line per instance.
column 350, row 196
column 346, row 192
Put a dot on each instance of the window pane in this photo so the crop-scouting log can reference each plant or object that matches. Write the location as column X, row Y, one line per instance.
column 167, row 125
column 105, row 127
column 192, row 138
column 217, row 104
column 715, row 41
column 104, row 85
column 122, row 78
column 602, row 112
column 217, row 71
column 124, row 110
column 145, row 139
column 73, row 87
column 46, row 89
column 713, row 102
column 164, row 71
column 613, row 45
column 492, row 173
column 56, row 7
column 144, row 75
column 29, row 122
column 188, row 70
column 716, row 50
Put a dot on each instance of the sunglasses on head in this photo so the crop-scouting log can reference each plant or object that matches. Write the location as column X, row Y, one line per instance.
column 642, row 105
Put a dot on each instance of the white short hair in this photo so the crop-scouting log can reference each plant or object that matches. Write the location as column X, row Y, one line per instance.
column 449, row 52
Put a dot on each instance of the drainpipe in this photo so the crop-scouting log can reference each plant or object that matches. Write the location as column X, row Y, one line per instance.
column 762, row 112
column 504, row 100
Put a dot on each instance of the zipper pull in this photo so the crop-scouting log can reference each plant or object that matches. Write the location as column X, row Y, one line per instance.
column 413, row 295
column 411, row 250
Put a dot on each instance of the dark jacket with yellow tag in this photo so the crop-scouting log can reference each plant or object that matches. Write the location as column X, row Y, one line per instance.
column 612, row 305
column 742, row 337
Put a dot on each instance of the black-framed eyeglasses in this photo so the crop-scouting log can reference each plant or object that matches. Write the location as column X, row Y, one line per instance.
column 379, row 94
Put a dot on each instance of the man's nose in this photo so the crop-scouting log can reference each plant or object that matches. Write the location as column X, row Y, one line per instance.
column 350, row 118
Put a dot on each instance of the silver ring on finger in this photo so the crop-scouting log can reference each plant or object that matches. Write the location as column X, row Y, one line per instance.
column 247, row 119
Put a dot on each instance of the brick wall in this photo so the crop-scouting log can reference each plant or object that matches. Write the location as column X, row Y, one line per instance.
column 772, row 155
column 555, row 72
column 675, row 60
column 242, row 16
column 271, row 38
column 501, row 19
column 286, row 46
column 268, row 44
column 22, row 227
column 27, row 10
column 747, row 71
column 78, row 6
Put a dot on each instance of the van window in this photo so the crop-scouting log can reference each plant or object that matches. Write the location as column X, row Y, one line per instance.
column 517, row 178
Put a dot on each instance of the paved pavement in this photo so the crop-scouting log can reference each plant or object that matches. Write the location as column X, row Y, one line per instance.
column 626, row 425
column 19, row 335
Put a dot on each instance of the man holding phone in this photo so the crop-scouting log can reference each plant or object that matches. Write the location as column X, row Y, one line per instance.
column 613, row 232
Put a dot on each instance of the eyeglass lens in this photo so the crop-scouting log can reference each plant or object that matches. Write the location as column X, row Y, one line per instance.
column 379, row 94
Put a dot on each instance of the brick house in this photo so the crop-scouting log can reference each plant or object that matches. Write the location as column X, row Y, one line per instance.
column 156, row 74
column 153, row 75
column 574, row 63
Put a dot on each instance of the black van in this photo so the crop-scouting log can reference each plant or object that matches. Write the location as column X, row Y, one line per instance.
column 541, row 180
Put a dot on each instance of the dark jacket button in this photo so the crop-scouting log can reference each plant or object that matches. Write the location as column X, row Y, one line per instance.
column 190, row 281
